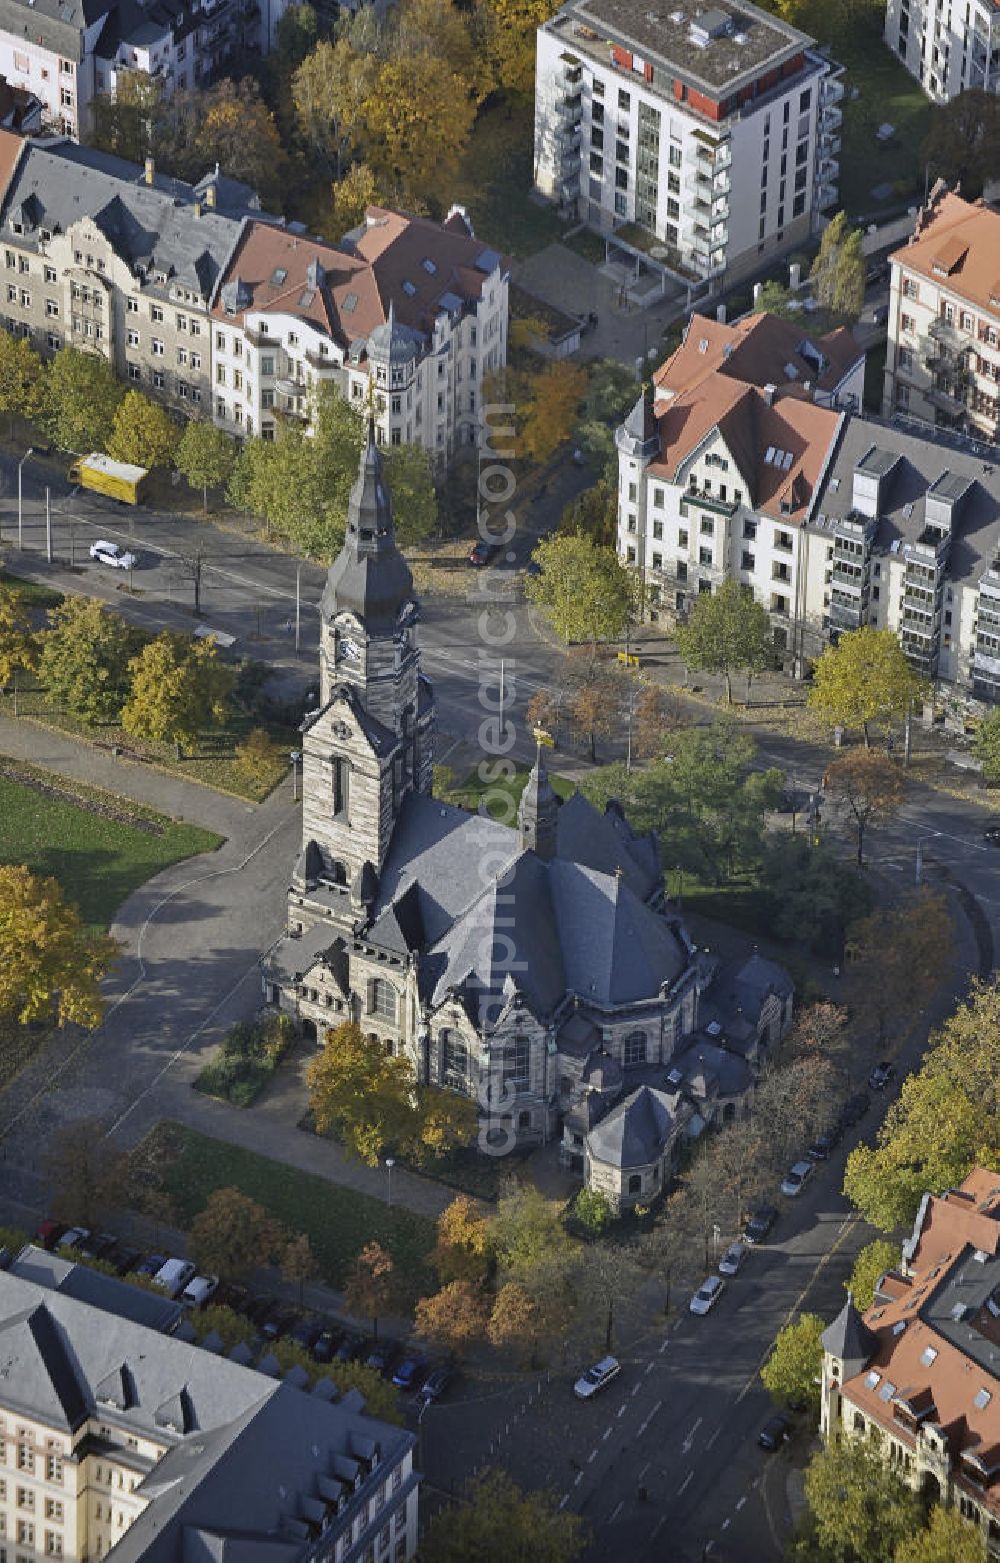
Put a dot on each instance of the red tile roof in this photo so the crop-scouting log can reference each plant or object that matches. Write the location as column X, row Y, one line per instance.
column 957, row 243
column 11, row 147
column 756, row 350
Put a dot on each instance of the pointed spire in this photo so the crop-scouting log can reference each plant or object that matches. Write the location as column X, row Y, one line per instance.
column 369, row 577
column 537, row 813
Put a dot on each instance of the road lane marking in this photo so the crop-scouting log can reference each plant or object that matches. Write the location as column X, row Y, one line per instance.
column 605, row 1435
column 666, row 1343
column 644, row 1470
column 726, row 1523
column 616, row 1511
column 592, row 1456
column 714, row 1436
column 564, row 1500
column 658, row 1527
column 657, row 1408
column 635, row 1390
column 649, row 1368
column 622, row 1409
column 578, row 1479
column 741, row 1502
column 689, row 1440
column 689, row 1478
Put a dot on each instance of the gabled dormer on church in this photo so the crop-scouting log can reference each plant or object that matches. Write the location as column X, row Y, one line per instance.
column 370, row 742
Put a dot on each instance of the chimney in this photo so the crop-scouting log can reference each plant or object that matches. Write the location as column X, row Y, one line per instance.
column 720, row 314
column 210, row 195
column 150, row 171
column 769, row 394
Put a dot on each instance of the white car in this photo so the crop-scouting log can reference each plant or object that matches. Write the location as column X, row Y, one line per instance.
column 199, row 1291
column 597, row 1377
column 796, row 1178
column 733, row 1257
column 109, row 553
column 73, row 1237
column 707, row 1295
column 174, row 1275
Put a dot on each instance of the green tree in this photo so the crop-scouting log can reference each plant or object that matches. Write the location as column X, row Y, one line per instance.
column 726, row 631
column 866, row 788
column 123, row 123
column 593, row 1212
column 228, row 123
column 86, row 1174
column 18, row 645
column 963, row 141
column 945, row 1121
column 812, row 894
column 20, row 378
column 231, row 1327
column 361, row 1092
column 594, row 513
column 84, row 657
column 588, row 593
column 869, row 1267
column 897, row 957
column 838, row 272
column 986, row 747
column 233, row 1235
column 864, row 678
column 773, row 299
column 177, row 689
column 526, row 1230
column 507, row 29
column 79, row 399
column 329, row 90
column 948, row 1539
column 444, row 1122
column 410, row 481
column 205, row 457
column 143, row 432
column 381, row 1400
column 860, row 1511
column 371, row 1288
column 50, row 965
column 792, row 1370
column 496, row 1521
column 417, row 120
column 350, row 198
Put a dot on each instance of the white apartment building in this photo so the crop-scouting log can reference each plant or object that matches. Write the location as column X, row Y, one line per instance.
column 833, row 520
column 948, row 45
column 943, row 360
column 67, row 52
column 411, row 312
column 715, row 132
column 118, row 1441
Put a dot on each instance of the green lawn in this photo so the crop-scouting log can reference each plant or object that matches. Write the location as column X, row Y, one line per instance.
column 100, row 848
column 888, row 93
column 495, row 180
column 338, row 1221
column 30, row 592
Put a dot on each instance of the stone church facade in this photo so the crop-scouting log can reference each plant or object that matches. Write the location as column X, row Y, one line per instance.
column 501, row 962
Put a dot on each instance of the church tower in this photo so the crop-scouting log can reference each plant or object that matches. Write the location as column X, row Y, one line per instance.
column 370, row 742
column 537, row 812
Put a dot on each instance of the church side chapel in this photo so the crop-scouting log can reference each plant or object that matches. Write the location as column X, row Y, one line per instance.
column 539, row 970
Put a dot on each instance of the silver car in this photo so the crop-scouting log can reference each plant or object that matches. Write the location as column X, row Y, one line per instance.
column 707, row 1295
column 596, row 1378
column 796, row 1178
column 731, row 1260
column 103, row 552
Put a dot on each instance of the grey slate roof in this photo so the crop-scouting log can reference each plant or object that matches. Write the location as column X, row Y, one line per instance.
column 605, row 842
column 154, row 1310
column 149, row 225
column 296, row 954
column 636, row 1131
column 729, row 1072
column 369, row 577
column 976, row 537
column 849, row 1337
column 260, row 1452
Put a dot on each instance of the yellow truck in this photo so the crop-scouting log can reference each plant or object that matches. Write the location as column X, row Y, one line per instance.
column 115, row 479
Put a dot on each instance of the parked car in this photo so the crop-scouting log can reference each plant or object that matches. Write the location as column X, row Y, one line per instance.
column 707, row 1295
column 73, row 1237
column 174, row 1275
column 305, row 1332
column 151, row 1266
column 116, row 558
column 854, row 1108
column 382, row 1357
column 98, row 1245
column 278, row 1322
column 126, row 1260
column 480, row 554
column 597, row 1378
column 229, row 1295
column 732, row 1259
column 775, row 1432
column 822, row 1147
column 200, row 1290
column 796, row 1178
column 992, row 833
column 48, row 1232
column 325, row 1345
column 350, row 1348
column 881, row 1075
column 410, row 1373
column 436, row 1383
column 759, row 1223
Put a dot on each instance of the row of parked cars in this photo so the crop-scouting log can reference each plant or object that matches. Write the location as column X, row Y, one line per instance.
column 272, row 1320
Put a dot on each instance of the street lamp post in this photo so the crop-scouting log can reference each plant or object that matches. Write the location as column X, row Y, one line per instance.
column 20, row 512
column 389, row 1164
column 298, row 603
column 295, row 759
column 716, row 1234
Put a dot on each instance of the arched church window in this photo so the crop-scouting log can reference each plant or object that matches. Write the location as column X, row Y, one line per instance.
column 634, row 1049
column 338, row 873
column 454, row 1061
column 341, row 771
column 383, row 999
column 635, row 1183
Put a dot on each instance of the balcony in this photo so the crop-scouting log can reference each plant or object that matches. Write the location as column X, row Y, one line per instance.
column 832, row 90
column 825, row 195
column 948, row 334
column 828, row 170
column 716, row 156
column 829, row 144
column 568, row 138
column 944, row 401
column 570, row 106
column 830, row 117
column 569, row 169
column 847, row 585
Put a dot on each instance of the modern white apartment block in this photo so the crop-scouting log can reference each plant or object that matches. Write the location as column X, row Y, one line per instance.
column 67, row 52
column 410, row 312
column 943, row 361
column 118, row 1441
column 832, row 519
column 948, row 46
column 716, row 131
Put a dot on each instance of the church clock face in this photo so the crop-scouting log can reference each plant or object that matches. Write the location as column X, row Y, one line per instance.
column 350, row 651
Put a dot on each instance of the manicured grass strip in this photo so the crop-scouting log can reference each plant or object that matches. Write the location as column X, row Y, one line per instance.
column 30, row 592
column 99, row 858
column 338, row 1221
column 888, row 94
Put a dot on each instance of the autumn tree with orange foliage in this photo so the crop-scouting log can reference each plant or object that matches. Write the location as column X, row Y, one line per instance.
column 454, row 1317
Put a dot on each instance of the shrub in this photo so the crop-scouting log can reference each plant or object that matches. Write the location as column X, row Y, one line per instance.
column 246, row 1058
